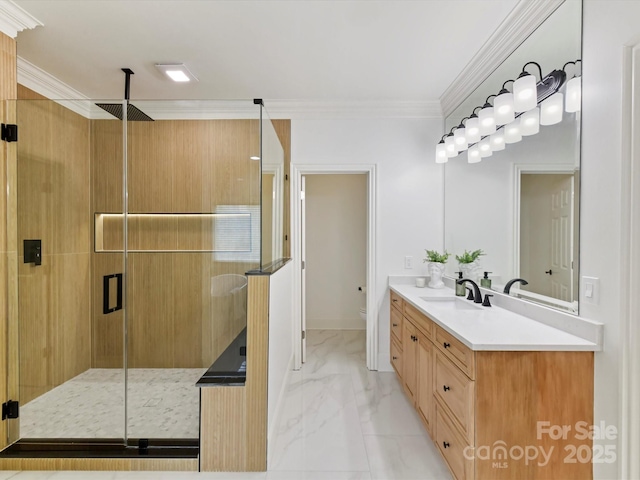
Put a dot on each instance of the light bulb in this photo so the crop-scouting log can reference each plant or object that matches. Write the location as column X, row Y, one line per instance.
column 525, row 93
column 530, row 122
column 473, row 154
column 485, row 147
column 497, row 140
column 450, row 146
column 512, row 132
column 441, row 153
column 503, row 108
column 551, row 109
column 573, row 95
column 472, row 130
column 460, row 139
column 487, row 121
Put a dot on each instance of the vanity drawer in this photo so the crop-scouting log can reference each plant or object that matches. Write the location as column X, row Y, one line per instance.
column 396, row 325
column 456, row 351
column 419, row 319
column 453, row 448
column 456, row 393
column 396, row 300
column 396, row 357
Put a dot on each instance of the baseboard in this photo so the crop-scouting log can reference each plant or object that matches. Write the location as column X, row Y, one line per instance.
column 278, row 410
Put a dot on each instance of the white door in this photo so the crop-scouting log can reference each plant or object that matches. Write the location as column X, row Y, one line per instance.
column 546, row 242
column 560, row 273
column 303, row 256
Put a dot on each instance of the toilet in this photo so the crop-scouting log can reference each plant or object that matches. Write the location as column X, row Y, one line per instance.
column 363, row 310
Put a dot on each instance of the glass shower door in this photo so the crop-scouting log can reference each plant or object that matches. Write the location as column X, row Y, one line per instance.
column 193, row 219
column 69, row 325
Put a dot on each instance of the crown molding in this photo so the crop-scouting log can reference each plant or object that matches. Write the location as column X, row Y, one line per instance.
column 302, row 109
column 14, row 19
column 525, row 17
column 52, row 88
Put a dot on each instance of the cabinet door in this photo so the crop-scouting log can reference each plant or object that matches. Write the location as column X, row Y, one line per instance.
column 409, row 348
column 424, row 394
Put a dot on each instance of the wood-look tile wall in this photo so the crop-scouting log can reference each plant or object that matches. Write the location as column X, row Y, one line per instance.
column 53, row 198
column 233, row 425
column 8, row 249
column 173, row 167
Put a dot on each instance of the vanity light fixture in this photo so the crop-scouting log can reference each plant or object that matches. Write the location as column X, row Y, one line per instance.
column 530, row 122
column 525, row 92
column 503, row 106
column 487, row 118
column 498, row 124
column 178, row 72
column 573, row 93
column 551, row 109
column 472, row 128
column 441, row 151
column 473, row 154
column 512, row 132
column 497, row 141
column 459, row 136
column 485, row 147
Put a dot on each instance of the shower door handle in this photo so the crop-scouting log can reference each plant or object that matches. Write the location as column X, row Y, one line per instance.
column 106, row 283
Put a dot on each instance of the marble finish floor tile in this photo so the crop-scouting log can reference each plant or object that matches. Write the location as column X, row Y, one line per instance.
column 339, row 421
column 162, row 403
column 404, row 457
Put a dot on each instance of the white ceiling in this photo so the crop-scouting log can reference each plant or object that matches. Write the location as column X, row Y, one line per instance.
column 306, row 50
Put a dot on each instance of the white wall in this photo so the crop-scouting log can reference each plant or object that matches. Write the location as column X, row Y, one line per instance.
column 409, row 189
column 608, row 26
column 336, row 254
column 280, row 341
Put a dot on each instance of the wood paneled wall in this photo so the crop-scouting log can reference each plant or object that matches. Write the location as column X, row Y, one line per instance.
column 8, row 248
column 177, row 166
column 283, row 130
column 233, row 425
column 53, row 205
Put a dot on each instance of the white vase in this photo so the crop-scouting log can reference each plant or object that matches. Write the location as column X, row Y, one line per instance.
column 436, row 269
column 471, row 270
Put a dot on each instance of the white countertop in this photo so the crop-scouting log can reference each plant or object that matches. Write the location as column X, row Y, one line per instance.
column 489, row 328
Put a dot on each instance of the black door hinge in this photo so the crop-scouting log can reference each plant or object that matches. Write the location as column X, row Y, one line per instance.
column 9, row 132
column 11, row 409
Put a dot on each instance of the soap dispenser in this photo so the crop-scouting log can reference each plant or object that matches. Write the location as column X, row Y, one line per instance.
column 461, row 291
column 485, row 281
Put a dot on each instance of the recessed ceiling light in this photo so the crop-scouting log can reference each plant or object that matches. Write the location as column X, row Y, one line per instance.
column 178, row 72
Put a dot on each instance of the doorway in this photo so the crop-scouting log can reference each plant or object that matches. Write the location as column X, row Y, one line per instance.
column 299, row 178
column 335, row 257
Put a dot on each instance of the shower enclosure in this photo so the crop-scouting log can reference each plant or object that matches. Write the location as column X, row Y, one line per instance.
column 133, row 237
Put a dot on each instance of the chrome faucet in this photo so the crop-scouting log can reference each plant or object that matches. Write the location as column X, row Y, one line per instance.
column 507, row 287
column 477, row 296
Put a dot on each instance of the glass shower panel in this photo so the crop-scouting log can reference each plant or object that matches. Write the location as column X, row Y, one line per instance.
column 193, row 222
column 70, row 322
column 272, row 198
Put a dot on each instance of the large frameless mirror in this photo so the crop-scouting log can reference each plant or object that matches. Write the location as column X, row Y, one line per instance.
column 518, row 200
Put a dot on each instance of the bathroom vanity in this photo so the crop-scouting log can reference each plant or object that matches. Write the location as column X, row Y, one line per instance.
column 501, row 395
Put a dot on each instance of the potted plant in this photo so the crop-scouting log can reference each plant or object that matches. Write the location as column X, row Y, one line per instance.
column 469, row 264
column 436, row 261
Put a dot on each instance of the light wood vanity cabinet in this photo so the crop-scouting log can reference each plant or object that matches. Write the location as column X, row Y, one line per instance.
column 478, row 405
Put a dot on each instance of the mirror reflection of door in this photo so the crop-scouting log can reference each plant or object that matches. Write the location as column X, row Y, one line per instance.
column 546, row 237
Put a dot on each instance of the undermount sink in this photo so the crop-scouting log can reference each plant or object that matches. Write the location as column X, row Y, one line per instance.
column 453, row 303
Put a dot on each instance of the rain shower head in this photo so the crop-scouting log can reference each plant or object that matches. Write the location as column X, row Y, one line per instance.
column 134, row 114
